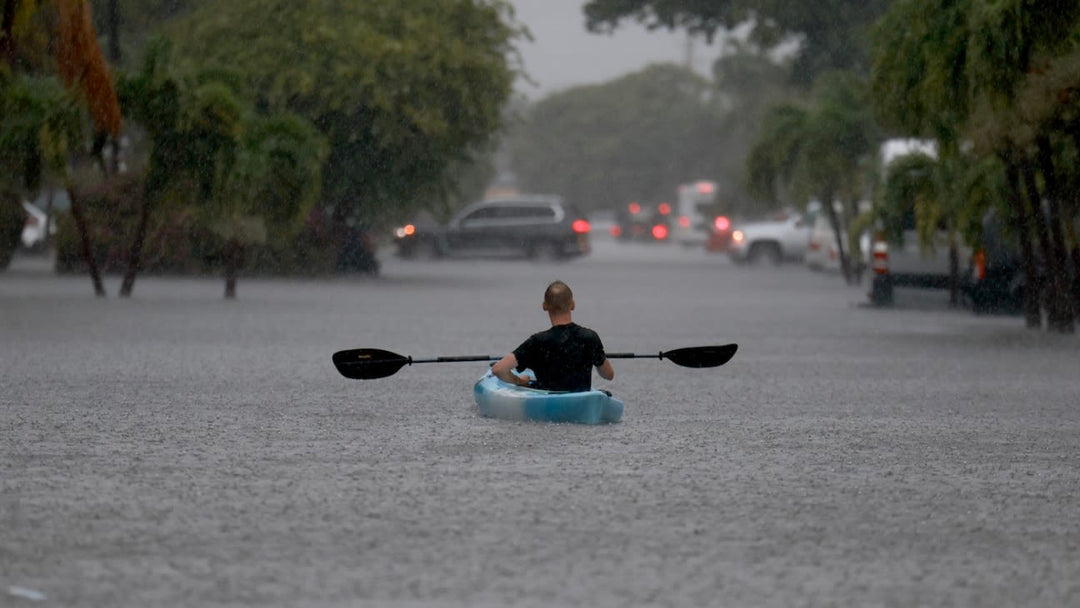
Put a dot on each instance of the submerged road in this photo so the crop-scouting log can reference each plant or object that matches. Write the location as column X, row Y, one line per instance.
column 176, row 449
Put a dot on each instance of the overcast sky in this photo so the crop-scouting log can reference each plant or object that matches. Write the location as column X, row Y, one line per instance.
column 562, row 54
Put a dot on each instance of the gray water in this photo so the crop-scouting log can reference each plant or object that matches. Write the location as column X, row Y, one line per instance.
column 178, row 449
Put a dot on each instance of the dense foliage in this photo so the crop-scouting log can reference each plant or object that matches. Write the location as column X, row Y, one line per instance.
column 402, row 91
column 833, row 32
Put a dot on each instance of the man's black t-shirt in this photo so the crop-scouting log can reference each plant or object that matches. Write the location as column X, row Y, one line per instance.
column 562, row 357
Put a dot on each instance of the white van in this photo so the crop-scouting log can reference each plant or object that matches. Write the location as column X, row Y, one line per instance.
column 694, row 212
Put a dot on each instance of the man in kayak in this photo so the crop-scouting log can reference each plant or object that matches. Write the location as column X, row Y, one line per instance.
column 563, row 356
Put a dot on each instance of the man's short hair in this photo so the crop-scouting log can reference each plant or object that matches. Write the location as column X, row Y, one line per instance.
column 558, row 298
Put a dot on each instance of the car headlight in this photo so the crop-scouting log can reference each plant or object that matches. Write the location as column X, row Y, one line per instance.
column 404, row 231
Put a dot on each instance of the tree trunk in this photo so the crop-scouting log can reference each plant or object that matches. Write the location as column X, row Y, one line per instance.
column 114, row 33
column 954, row 272
column 135, row 253
column 1022, row 220
column 834, row 221
column 49, row 200
column 1031, row 186
column 1074, row 253
column 1060, row 307
column 84, row 238
column 233, row 259
column 7, row 24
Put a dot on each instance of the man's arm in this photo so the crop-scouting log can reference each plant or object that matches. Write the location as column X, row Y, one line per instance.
column 606, row 371
column 502, row 371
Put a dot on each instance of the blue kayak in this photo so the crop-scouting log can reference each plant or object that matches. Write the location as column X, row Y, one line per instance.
column 497, row 399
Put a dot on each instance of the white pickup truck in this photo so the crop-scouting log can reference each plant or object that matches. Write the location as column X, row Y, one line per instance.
column 785, row 238
column 907, row 263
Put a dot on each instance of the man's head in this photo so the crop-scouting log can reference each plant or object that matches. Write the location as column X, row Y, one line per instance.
column 558, row 299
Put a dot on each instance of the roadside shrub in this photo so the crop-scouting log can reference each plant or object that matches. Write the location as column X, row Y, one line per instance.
column 177, row 241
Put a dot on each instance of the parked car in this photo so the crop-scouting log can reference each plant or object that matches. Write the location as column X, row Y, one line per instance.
column 786, row 237
column 822, row 253
column 908, row 263
column 33, row 233
column 643, row 222
column 994, row 280
column 535, row 226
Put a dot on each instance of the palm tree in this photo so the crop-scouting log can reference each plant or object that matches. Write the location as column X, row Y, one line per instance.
column 817, row 151
column 268, row 187
column 939, row 63
column 83, row 70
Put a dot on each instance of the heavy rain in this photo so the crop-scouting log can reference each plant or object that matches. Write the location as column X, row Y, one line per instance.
column 267, row 271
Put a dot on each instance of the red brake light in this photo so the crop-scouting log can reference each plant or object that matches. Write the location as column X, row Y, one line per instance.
column 663, row 209
column 705, row 187
column 659, row 232
column 580, row 226
column 634, row 208
column 880, row 256
column 980, row 265
column 684, row 221
column 722, row 223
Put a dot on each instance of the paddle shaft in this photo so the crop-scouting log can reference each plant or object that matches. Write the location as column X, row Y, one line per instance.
column 460, row 358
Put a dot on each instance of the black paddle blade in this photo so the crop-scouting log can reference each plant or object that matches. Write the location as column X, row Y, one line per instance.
column 701, row 356
column 368, row 363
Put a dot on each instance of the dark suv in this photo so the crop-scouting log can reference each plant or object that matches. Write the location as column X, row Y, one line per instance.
column 535, row 226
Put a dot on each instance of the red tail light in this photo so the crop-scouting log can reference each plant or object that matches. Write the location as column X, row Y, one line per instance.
column 634, row 208
column 615, row 231
column 581, row 226
column 880, row 262
column 663, row 209
column 659, row 232
column 979, row 261
column 684, row 221
column 721, row 223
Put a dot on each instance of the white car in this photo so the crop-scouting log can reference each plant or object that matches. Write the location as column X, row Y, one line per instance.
column 824, row 256
column 33, row 234
column 822, row 253
column 786, row 237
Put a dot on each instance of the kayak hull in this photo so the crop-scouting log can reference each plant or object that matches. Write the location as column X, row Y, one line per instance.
column 497, row 399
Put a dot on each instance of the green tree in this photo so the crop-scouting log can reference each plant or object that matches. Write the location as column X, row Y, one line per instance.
column 56, row 38
column 920, row 85
column 818, row 151
column 951, row 70
column 833, row 32
column 251, row 176
column 747, row 84
column 402, row 91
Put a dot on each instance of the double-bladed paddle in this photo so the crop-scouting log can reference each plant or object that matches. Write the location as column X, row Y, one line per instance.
column 371, row 363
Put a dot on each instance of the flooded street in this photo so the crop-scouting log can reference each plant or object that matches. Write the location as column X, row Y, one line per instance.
column 180, row 449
